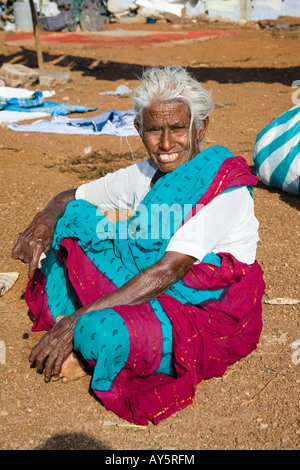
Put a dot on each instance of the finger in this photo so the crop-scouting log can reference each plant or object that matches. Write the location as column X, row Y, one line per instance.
column 21, row 254
column 40, row 360
column 15, row 251
column 36, row 350
column 43, row 256
column 18, row 245
column 31, row 271
column 34, row 262
column 51, row 367
column 55, row 378
column 47, row 248
column 57, row 368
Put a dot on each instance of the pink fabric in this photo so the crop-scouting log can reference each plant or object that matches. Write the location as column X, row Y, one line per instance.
column 37, row 300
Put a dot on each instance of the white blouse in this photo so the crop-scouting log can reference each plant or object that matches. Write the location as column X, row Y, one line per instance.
column 226, row 224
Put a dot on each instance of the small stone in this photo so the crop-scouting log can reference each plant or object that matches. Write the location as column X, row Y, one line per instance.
column 108, row 423
column 264, row 426
column 51, row 78
column 17, row 75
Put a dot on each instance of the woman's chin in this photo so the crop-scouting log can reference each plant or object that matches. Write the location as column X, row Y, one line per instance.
column 168, row 166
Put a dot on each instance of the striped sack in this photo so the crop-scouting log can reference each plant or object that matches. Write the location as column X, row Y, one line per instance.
column 276, row 152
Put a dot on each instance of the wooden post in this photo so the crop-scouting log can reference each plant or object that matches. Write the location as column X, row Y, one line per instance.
column 245, row 10
column 36, row 36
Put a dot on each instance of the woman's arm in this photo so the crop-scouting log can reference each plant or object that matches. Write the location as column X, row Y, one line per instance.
column 37, row 237
column 150, row 283
column 56, row 345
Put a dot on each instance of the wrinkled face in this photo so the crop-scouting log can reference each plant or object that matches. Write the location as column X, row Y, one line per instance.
column 166, row 135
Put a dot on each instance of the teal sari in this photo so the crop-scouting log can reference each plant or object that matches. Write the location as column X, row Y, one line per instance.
column 139, row 340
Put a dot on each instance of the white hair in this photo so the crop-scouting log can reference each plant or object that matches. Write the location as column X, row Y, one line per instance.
column 172, row 83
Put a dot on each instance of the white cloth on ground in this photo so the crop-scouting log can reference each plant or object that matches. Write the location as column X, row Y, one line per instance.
column 15, row 116
column 113, row 122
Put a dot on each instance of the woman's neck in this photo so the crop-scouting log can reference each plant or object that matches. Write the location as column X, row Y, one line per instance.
column 158, row 174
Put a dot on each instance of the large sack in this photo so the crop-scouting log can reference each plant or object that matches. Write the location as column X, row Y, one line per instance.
column 277, row 152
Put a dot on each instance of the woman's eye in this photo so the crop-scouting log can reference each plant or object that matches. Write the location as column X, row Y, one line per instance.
column 153, row 129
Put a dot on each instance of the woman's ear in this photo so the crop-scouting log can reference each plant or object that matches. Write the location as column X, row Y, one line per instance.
column 202, row 130
column 137, row 125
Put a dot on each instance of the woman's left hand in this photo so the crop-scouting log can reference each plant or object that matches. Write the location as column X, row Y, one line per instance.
column 55, row 346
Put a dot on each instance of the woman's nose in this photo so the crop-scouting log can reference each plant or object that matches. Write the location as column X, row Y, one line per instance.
column 166, row 141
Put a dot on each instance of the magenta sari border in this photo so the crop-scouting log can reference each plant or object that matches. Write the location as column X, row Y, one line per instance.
column 37, row 301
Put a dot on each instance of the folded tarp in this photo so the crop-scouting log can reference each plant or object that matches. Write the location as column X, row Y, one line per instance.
column 113, row 122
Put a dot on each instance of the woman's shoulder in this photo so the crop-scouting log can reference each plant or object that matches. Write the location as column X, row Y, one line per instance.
column 144, row 166
column 143, row 169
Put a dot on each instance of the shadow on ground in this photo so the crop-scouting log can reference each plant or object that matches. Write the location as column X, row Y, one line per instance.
column 72, row 441
column 119, row 70
column 290, row 199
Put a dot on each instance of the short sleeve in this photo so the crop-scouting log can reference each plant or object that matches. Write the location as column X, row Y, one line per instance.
column 122, row 189
column 226, row 224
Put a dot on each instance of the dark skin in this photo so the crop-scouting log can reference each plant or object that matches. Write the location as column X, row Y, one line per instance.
column 57, row 344
column 169, row 145
column 37, row 237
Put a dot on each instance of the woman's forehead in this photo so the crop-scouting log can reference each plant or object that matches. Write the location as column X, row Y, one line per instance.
column 170, row 111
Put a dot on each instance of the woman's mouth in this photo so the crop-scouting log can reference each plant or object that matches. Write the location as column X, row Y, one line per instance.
column 169, row 157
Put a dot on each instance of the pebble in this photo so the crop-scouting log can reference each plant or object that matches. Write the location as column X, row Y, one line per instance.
column 264, row 426
column 108, row 423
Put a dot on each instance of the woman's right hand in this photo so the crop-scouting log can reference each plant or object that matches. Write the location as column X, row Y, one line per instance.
column 37, row 238
column 34, row 241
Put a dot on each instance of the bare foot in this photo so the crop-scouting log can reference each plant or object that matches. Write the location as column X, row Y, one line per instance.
column 72, row 369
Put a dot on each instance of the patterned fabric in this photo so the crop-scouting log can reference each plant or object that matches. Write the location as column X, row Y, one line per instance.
column 102, row 337
column 36, row 99
column 7, row 280
column 277, row 152
column 36, row 103
column 192, row 332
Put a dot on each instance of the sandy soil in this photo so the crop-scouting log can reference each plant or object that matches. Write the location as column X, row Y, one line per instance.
column 256, row 404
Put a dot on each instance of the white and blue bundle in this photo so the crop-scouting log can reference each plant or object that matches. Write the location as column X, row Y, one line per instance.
column 276, row 152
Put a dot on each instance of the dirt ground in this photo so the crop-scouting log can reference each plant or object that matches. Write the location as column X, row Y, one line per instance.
column 256, row 404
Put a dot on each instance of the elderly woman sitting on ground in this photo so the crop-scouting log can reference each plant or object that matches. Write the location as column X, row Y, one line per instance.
column 155, row 303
